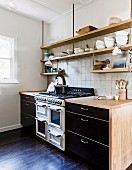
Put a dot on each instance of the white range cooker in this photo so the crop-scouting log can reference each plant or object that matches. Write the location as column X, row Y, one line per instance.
column 50, row 114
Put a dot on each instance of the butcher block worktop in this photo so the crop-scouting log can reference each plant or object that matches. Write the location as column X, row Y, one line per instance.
column 105, row 104
column 30, row 93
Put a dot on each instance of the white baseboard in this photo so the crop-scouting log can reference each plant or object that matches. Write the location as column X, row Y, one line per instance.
column 7, row 128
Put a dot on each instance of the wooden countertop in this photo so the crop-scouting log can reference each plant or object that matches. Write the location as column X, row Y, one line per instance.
column 30, row 93
column 103, row 103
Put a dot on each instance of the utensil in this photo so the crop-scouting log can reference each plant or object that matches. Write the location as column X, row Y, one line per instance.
column 117, row 84
column 121, row 83
column 124, row 84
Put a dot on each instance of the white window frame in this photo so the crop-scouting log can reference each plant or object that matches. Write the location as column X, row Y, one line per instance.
column 13, row 61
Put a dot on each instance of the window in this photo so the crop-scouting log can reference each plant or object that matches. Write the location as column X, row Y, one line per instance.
column 7, row 60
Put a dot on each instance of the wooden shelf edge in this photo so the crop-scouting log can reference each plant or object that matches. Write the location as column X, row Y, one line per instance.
column 117, row 70
column 101, row 31
column 48, row 74
column 95, row 52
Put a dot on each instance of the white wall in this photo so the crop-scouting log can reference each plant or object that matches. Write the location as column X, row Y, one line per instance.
column 28, row 34
column 79, row 70
column 96, row 14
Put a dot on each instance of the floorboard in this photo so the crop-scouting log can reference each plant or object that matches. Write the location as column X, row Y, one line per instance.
column 20, row 151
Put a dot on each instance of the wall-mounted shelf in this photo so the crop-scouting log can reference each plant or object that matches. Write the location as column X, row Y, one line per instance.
column 48, row 74
column 101, row 31
column 86, row 54
column 117, row 70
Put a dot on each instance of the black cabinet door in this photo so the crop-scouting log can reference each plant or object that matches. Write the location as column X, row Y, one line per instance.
column 92, row 128
column 95, row 112
column 27, row 120
column 28, row 110
column 31, row 109
column 92, row 151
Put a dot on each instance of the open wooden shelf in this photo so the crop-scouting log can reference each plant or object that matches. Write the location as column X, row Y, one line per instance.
column 101, row 31
column 117, row 70
column 48, row 74
column 91, row 53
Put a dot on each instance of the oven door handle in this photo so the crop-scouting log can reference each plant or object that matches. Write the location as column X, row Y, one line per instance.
column 42, row 121
column 58, row 136
column 57, row 110
column 40, row 105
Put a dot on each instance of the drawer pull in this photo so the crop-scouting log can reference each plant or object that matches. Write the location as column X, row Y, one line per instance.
column 84, row 108
column 84, row 120
column 82, row 141
column 27, row 117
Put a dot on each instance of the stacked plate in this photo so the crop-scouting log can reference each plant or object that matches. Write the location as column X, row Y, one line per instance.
column 109, row 42
column 100, row 44
column 121, row 37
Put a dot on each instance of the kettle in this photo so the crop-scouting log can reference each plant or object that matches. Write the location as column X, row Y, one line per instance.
column 60, row 80
column 61, row 87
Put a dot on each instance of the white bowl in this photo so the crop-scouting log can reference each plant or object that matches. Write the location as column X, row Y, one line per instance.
column 100, row 47
column 81, row 50
column 121, row 42
column 110, row 97
column 121, row 39
column 69, row 51
column 109, row 43
column 99, row 42
column 121, row 33
column 109, row 38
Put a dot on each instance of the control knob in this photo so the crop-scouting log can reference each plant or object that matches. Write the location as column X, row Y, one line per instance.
column 58, row 102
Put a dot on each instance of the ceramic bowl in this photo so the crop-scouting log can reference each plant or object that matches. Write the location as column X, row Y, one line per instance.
column 69, row 51
column 99, row 42
column 121, row 33
column 110, row 97
column 100, row 47
column 81, row 50
column 109, row 43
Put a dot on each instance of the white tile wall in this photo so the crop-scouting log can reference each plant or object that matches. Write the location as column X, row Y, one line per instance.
column 79, row 71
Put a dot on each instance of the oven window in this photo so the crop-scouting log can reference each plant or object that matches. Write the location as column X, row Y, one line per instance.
column 41, row 127
column 55, row 117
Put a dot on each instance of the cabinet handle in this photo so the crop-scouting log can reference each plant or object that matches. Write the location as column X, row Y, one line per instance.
column 85, row 142
column 84, row 120
column 84, row 108
column 27, row 117
column 27, row 97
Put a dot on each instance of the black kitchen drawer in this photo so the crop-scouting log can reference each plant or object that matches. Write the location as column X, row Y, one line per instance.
column 28, row 108
column 27, row 120
column 89, row 150
column 88, row 111
column 95, row 129
column 27, row 98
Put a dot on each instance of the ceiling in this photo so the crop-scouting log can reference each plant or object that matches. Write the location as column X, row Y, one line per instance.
column 47, row 10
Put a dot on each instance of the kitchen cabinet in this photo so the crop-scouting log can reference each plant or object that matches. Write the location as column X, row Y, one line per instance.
column 100, row 131
column 99, row 32
column 87, row 133
column 28, row 111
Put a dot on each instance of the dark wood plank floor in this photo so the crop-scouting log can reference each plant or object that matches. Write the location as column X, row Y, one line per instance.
column 25, row 152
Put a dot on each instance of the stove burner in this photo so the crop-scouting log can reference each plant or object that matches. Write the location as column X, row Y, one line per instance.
column 58, row 99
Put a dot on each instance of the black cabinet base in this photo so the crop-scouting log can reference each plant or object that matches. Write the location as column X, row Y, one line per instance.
column 91, row 151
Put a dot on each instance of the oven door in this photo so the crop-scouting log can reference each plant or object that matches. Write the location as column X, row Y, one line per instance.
column 56, row 117
column 56, row 137
column 41, row 127
column 41, row 108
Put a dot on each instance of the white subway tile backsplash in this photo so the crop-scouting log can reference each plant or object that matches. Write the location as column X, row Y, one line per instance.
column 108, row 76
column 79, row 70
